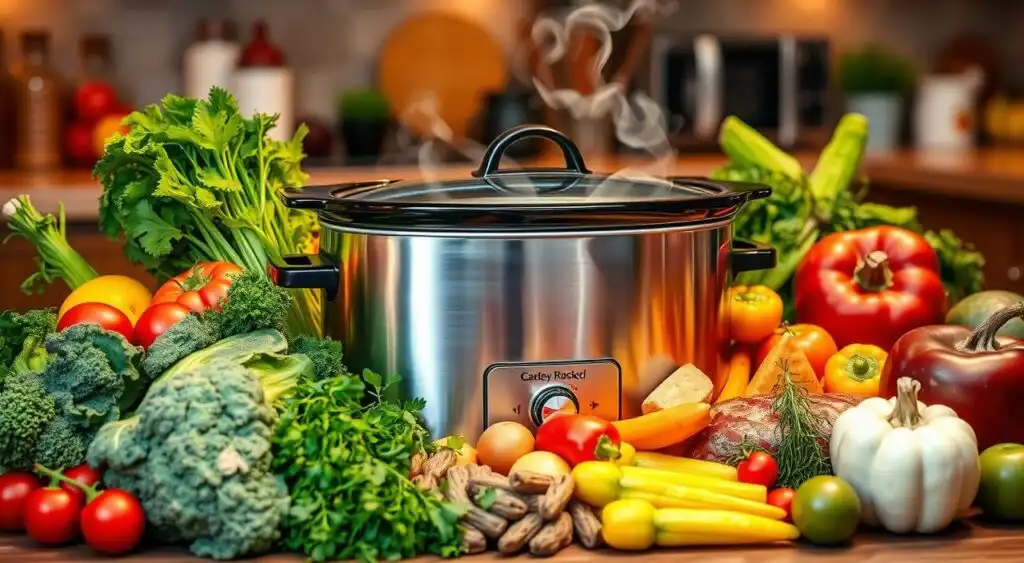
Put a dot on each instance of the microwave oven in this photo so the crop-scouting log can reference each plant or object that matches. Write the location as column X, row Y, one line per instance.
column 778, row 85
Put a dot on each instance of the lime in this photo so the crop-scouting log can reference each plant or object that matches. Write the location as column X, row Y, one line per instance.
column 1001, row 495
column 826, row 509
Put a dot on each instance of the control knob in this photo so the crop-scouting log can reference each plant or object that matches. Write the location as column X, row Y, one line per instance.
column 552, row 399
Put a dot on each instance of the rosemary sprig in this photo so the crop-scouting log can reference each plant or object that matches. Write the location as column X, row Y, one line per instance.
column 799, row 455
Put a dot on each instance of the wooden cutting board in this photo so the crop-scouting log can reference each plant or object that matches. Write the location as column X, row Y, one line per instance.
column 445, row 55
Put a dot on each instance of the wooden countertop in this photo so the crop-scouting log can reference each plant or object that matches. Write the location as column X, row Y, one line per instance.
column 968, row 542
column 987, row 174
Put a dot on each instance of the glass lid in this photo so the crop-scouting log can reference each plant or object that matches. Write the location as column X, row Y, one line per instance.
column 569, row 198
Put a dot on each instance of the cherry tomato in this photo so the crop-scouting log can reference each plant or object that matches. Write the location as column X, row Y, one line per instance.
column 782, row 498
column 759, row 469
column 113, row 522
column 200, row 288
column 83, row 474
column 94, row 100
column 156, row 320
column 15, row 487
column 51, row 516
column 754, row 313
column 108, row 317
column 813, row 340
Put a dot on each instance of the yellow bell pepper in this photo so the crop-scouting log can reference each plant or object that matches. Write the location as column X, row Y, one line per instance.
column 599, row 483
column 633, row 524
column 678, row 464
column 856, row 369
column 627, row 454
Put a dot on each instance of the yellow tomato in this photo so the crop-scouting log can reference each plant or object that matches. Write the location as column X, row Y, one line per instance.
column 755, row 312
column 545, row 463
column 856, row 369
column 120, row 292
column 105, row 129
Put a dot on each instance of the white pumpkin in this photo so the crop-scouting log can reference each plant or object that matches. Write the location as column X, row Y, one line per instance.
column 915, row 467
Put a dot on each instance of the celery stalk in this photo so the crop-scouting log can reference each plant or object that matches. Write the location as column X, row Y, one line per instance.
column 744, row 145
column 838, row 163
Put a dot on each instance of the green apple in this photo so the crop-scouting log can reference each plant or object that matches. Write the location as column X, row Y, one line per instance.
column 1001, row 495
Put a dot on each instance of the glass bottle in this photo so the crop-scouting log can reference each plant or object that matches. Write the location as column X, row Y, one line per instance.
column 37, row 94
column 7, row 113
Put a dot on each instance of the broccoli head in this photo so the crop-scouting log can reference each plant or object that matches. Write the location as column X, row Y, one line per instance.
column 92, row 374
column 61, row 444
column 324, row 353
column 25, row 412
column 189, row 335
column 253, row 303
column 198, row 458
column 21, row 340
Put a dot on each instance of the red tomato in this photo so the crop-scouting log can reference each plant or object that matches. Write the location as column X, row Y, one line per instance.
column 782, row 498
column 95, row 100
column 156, row 320
column 78, row 144
column 15, row 487
column 759, row 469
column 813, row 340
column 870, row 286
column 108, row 317
column 51, row 516
column 113, row 522
column 200, row 288
column 84, row 475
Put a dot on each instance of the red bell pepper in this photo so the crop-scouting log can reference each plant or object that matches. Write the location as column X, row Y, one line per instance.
column 977, row 374
column 870, row 286
column 579, row 437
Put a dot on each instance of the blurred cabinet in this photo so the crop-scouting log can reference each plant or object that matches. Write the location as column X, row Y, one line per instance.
column 994, row 228
column 17, row 258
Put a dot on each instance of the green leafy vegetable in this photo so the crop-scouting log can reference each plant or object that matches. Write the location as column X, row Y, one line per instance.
column 197, row 456
column 196, row 181
column 347, row 465
column 56, row 259
column 486, row 497
column 804, row 208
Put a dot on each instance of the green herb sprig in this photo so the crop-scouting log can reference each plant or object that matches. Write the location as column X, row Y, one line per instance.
column 347, row 463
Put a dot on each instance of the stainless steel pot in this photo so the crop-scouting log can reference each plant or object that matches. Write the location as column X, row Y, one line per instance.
column 517, row 293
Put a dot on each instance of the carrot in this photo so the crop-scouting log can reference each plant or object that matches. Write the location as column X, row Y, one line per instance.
column 665, row 427
column 739, row 375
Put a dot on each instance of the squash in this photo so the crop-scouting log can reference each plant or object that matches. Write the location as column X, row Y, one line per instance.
column 915, row 467
column 785, row 352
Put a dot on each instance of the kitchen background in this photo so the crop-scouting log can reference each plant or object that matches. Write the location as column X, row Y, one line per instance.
column 937, row 78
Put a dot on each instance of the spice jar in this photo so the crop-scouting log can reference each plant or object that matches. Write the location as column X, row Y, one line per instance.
column 37, row 94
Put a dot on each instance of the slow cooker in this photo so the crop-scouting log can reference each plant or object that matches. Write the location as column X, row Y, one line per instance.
column 512, row 294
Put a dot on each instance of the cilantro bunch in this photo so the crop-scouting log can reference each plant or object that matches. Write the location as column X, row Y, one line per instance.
column 195, row 181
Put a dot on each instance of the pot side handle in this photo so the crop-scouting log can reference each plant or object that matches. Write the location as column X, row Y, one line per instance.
column 306, row 271
column 748, row 256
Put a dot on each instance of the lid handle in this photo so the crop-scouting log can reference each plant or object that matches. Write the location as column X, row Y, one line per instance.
column 492, row 158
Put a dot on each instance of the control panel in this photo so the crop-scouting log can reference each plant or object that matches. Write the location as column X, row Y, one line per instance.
column 528, row 393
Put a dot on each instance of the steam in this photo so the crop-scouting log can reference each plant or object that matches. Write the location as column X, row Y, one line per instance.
column 638, row 121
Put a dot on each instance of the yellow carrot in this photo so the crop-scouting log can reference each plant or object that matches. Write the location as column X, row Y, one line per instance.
column 665, row 427
column 739, row 375
column 756, row 493
column 655, row 460
column 634, row 524
column 678, row 496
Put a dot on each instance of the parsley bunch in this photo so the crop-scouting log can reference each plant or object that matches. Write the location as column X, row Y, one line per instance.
column 346, row 464
column 195, row 181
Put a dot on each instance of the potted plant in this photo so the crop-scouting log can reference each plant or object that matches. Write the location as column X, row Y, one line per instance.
column 365, row 116
column 876, row 82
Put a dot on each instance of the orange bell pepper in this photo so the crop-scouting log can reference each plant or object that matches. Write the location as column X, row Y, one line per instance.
column 856, row 369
